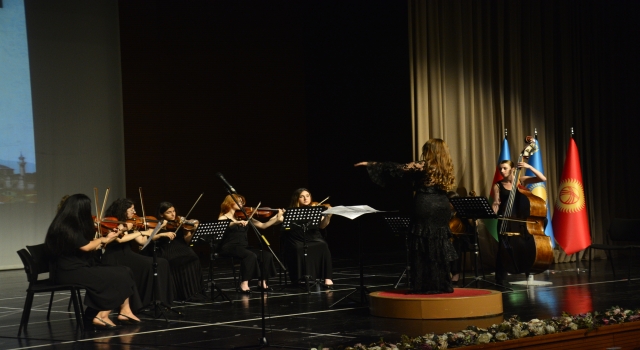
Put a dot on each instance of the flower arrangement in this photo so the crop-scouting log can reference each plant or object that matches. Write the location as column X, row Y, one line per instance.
column 510, row 329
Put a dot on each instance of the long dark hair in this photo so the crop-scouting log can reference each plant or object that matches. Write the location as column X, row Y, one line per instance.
column 296, row 194
column 162, row 207
column 119, row 208
column 73, row 220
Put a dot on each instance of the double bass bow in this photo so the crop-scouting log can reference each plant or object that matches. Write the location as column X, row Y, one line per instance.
column 524, row 246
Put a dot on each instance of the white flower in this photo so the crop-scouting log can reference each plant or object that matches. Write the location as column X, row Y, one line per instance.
column 573, row 326
column 500, row 336
column 484, row 338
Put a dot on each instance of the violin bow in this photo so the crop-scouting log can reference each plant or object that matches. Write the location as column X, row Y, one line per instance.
column 186, row 216
column 324, row 200
column 144, row 216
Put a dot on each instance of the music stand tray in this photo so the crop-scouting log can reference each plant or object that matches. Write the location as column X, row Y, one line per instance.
column 212, row 232
column 399, row 225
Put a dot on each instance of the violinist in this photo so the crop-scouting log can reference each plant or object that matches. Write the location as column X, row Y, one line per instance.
column 501, row 191
column 185, row 263
column 235, row 244
column 119, row 252
column 71, row 240
column 318, row 259
column 431, row 251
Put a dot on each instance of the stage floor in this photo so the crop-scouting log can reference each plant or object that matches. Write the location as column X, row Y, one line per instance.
column 297, row 319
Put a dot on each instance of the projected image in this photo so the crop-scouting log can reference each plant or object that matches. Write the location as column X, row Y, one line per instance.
column 17, row 147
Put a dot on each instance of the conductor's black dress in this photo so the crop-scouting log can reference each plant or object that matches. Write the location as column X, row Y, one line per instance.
column 430, row 248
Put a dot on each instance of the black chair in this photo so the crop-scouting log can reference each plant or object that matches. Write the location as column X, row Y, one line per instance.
column 214, row 244
column 621, row 236
column 36, row 261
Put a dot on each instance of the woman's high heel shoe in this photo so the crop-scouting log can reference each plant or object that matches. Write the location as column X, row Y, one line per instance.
column 128, row 320
column 103, row 324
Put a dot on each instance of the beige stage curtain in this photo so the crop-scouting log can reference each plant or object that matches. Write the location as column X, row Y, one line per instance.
column 480, row 67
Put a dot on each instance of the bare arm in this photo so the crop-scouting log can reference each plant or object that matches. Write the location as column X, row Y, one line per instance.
column 526, row 180
column 98, row 242
column 496, row 198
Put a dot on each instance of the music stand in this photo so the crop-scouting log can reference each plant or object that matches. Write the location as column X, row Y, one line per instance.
column 474, row 208
column 305, row 218
column 213, row 233
column 399, row 225
column 156, row 305
column 353, row 212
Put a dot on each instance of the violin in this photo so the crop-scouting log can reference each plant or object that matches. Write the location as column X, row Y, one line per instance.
column 188, row 225
column 107, row 225
column 261, row 212
column 144, row 223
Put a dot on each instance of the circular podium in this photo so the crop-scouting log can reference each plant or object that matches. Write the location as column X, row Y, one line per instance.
column 461, row 304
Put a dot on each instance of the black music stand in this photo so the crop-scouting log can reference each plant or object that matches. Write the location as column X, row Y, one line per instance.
column 213, row 233
column 474, row 208
column 304, row 218
column 157, row 306
column 399, row 225
column 352, row 212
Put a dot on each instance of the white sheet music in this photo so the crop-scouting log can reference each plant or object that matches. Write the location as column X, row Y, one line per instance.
column 351, row 212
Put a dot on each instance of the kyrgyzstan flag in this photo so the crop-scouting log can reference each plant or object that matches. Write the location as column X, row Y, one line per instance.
column 570, row 221
column 540, row 189
column 492, row 224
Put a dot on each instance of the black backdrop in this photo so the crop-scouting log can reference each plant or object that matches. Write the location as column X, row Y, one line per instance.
column 275, row 95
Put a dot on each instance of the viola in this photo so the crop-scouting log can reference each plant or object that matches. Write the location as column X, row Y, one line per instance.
column 261, row 212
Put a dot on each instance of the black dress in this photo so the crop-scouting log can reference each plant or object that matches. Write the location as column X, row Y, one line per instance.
column 431, row 250
column 318, row 262
column 185, row 266
column 107, row 286
column 235, row 244
column 501, row 273
column 120, row 254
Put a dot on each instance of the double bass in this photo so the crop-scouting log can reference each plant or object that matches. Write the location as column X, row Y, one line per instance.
column 524, row 247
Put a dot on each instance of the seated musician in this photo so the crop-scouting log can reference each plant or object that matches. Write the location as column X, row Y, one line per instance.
column 501, row 190
column 235, row 243
column 318, row 259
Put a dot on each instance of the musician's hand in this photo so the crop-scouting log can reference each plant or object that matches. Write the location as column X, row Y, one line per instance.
column 524, row 165
column 362, row 164
column 164, row 223
column 495, row 206
column 170, row 235
column 242, row 223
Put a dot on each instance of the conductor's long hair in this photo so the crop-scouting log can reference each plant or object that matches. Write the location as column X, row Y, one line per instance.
column 73, row 219
column 228, row 203
column 435, row 154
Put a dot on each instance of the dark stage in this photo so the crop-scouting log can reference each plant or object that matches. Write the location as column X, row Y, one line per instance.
column 297, row 319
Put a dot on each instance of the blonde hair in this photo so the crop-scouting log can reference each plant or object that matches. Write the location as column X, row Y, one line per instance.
column 228, row 203
column 438, row 163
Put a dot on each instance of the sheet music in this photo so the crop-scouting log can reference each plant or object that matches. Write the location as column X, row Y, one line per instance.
column 352, row 211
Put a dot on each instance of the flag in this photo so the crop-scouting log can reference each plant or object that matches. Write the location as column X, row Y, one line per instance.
column 492, row 224
column 570, row 221
column 540, row 189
